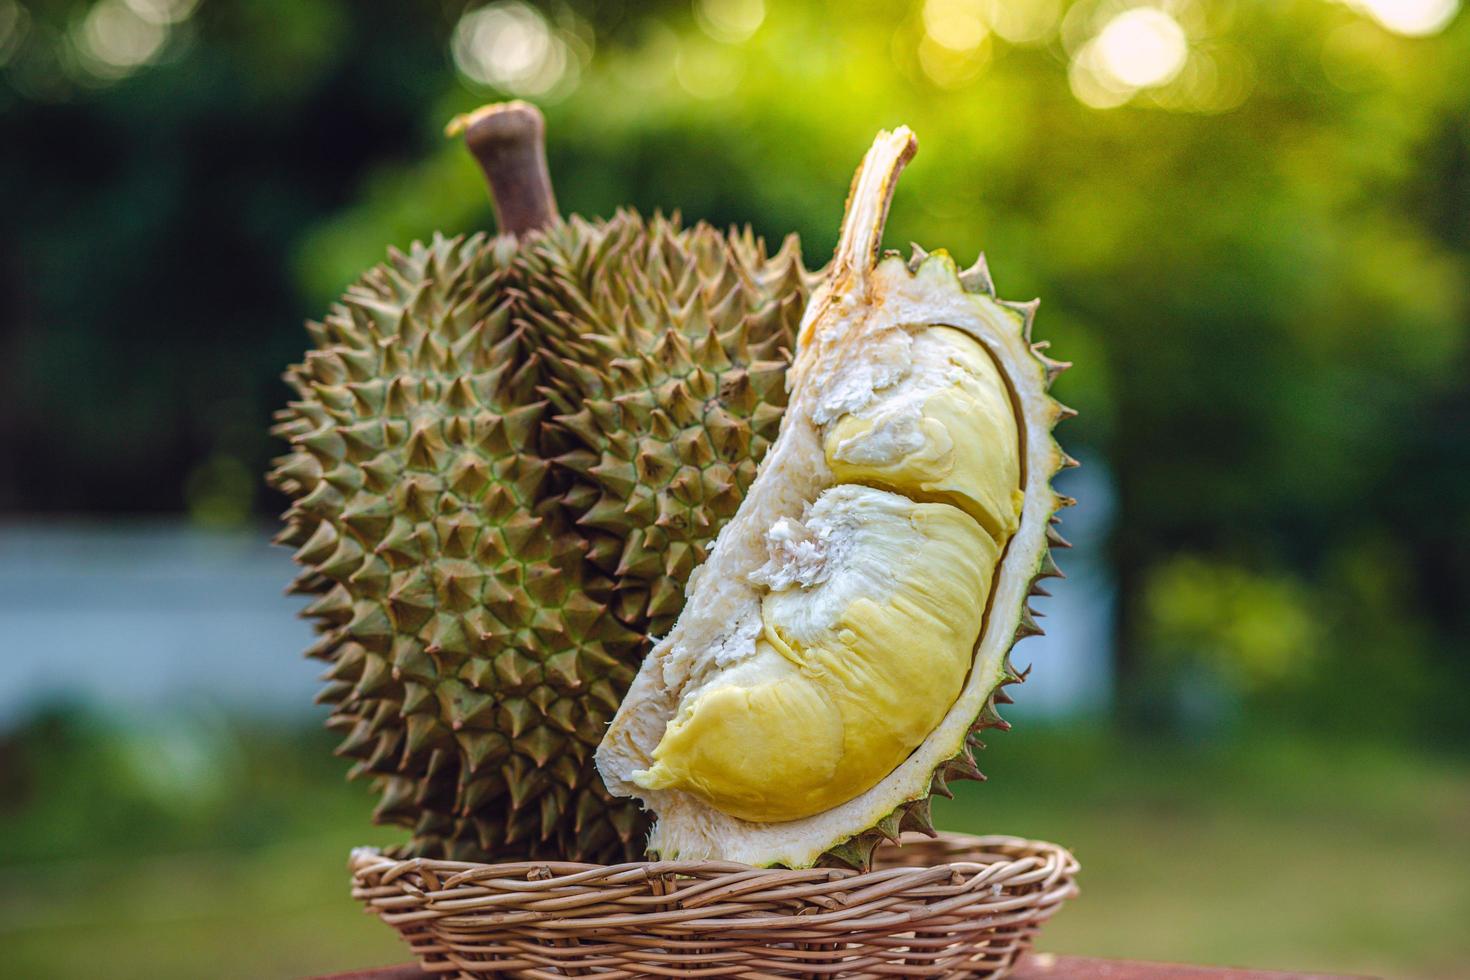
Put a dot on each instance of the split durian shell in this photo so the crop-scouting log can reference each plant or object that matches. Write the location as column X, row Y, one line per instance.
column 858, row 344
column 507, row 455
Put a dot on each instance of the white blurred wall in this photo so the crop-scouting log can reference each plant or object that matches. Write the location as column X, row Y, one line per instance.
column 149, row 616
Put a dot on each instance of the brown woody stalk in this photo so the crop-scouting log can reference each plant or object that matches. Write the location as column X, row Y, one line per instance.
column 508, row 139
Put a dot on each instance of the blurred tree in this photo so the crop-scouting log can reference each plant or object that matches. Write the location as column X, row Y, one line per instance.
column 1250, row 224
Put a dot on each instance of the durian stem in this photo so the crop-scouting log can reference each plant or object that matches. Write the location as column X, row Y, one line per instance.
column 862, row 232
column 868, row 200
column 509, row 141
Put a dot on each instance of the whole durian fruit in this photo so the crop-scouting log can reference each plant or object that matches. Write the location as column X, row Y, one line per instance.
column 507, row 455
column 849, row 634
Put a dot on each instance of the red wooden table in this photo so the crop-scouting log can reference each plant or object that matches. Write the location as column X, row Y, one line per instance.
column 1038, row 966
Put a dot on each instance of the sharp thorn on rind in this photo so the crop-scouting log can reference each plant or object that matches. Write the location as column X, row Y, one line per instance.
column 1054, row 369
column 977, row 279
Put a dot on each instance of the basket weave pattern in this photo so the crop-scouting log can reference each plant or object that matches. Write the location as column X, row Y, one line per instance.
column 947, row 907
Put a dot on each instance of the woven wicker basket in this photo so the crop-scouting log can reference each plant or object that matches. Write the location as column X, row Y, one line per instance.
column 945, row 907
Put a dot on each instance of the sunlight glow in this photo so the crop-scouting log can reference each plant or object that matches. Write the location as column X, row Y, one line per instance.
column 112, row 40
column 730, row 21
column 163, row 11
column 951, row 69
column 1092, row 84
column 1022, row 21
column 1414, row 18
column 955, row 24
column 509, row 46
column 1142, row 47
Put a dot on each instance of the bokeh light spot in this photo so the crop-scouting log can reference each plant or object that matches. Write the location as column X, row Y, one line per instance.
column 949, row 68
column 1214, row 79
column 163, row 11
column 705, row 71
column 1022, row 21
column 112, row 40
column 1142, row 47
column 955, row 24
column 730, row 21
column 509, row 46
column 1092, row 84
column 1413, row 18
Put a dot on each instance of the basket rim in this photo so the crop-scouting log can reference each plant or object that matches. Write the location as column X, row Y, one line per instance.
column 1011, row 856
column 368, row 856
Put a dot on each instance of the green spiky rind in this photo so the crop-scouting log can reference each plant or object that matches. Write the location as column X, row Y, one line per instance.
column 667, row 351
column 474, row 662
column 857, row 851
column 478, row 637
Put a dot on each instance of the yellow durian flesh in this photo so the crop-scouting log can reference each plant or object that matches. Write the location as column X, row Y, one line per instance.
column 737, row 744
column 946, row 432
column 874, row 603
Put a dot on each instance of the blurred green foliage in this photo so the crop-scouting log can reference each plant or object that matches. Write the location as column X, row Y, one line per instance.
column 1259, row 263
column 75, row 784
column 1261, row 630
column 184, row 846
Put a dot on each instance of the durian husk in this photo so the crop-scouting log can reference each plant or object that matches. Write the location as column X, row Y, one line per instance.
column 466, row 562
column 861, row 296
column 667, row 367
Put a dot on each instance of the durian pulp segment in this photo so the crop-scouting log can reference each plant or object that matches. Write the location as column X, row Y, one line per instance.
column 946, row 432
column 872, row 604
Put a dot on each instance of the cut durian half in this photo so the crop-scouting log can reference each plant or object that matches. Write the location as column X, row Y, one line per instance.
column 849, row 633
